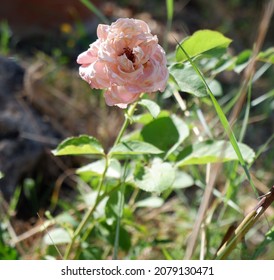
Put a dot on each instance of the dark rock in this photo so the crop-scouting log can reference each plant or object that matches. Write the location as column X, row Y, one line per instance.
column 11, row 77
column 21, row 127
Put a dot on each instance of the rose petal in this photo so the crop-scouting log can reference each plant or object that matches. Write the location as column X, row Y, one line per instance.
column 120, row 97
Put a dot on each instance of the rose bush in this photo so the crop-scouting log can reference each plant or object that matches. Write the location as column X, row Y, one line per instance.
column 126, row 60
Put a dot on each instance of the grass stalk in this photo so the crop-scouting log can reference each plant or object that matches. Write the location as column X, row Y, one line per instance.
column 245, row 225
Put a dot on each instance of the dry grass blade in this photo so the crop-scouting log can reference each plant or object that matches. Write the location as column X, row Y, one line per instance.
column 245, row 225
column 30, row 233
column 202, row 211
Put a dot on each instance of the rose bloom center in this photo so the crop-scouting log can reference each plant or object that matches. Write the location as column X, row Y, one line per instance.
column 129, row 54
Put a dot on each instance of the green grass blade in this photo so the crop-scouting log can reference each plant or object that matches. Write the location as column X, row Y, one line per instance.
column 223, row 119
column 264, row 147
column 246, row 117
column 5, row 34
column 121, row 203
column 263, row 98
column 118, row 223
column 169, row 7
column 95, row 10
column 170, row 11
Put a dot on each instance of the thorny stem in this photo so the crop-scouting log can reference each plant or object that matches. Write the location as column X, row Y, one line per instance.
column 99, row 197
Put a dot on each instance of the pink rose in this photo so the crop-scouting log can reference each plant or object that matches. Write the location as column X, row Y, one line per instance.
column 126, row 60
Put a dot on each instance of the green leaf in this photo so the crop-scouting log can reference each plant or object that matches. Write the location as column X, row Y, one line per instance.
column 151, row 106
column 142, row 118
column 57, row 236
column 166, row 133
column 152, row 202
column 97, row 169
column 90, row 200
column 82, row 145
column 147, row 118
column 267, row 56
column 7, row 252
column 66, row 218
column 182, row 180
column 187, row 79
column 223, row 120
column 1, row 175
column 215, row 87
column 213, row 151
column 134, row 147
column 242, row 60
column 183, row 132
column 221, row 116
column 113, row 205
column 161, row 133
column 225, row 63
column 124, row 237
column 200, row 42
column 155, row 178
column 90, row 251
